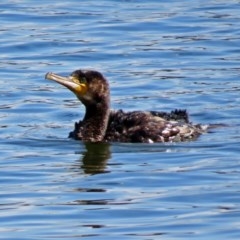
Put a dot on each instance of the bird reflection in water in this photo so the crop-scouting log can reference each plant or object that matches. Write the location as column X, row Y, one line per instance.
column 94, row 161
column 95, row 158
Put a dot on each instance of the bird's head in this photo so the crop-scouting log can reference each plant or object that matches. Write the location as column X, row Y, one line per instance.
column 90, row 87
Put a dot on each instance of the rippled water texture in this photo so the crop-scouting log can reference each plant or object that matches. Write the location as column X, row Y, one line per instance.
column 157, row 55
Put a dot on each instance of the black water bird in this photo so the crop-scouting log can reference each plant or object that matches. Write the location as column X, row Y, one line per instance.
column 100, row 124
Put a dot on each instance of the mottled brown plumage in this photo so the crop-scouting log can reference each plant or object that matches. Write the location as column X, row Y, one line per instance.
column 100, row 124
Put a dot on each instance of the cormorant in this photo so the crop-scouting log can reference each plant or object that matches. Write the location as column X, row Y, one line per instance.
column 100, row 124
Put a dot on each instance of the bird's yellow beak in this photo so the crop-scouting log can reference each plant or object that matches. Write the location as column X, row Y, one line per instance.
column 71, row 82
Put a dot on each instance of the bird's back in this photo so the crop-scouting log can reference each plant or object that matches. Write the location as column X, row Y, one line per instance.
column 150, row 127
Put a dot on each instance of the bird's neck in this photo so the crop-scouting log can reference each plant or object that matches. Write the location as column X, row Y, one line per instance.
column 95, row 122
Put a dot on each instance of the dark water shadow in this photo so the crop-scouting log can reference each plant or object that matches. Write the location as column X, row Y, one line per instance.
column 95, row 158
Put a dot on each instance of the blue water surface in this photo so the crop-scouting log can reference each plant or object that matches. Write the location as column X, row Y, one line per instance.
column 157, row 55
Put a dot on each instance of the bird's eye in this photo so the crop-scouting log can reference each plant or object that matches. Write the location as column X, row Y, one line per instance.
column 83, row 80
